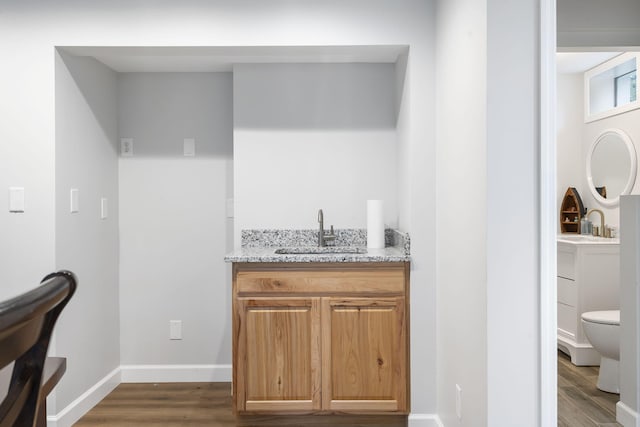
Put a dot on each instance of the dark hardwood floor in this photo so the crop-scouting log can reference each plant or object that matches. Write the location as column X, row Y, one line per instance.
column 580, row 404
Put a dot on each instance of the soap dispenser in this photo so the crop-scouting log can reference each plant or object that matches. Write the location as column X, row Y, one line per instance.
column 584, row 228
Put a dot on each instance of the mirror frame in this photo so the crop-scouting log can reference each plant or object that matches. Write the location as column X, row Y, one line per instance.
column 632, row 173
column 607, row 65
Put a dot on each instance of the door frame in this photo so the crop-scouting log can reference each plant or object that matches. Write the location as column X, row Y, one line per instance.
column 547, row 183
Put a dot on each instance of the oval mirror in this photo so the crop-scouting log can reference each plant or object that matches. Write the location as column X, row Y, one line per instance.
column 611, row 167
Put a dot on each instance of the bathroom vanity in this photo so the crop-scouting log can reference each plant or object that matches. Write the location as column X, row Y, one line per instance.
column 588, row 280
column 320, row 332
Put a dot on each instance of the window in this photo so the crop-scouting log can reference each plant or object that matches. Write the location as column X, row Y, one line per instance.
column 625, row 88
column 610, row 88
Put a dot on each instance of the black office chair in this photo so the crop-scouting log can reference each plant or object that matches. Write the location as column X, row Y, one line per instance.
column 26, row 324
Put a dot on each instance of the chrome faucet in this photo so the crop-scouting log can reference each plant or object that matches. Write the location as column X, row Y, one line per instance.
column 322, row 237
column 601, row 230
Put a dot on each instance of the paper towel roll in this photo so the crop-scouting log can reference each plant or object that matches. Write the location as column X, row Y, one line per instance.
column 375, row 224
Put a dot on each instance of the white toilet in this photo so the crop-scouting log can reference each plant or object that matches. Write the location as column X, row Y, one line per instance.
column 602, row 329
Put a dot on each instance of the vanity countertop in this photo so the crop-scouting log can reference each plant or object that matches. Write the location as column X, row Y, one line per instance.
column 261, row 246
column 585, row 239
column 388, row 254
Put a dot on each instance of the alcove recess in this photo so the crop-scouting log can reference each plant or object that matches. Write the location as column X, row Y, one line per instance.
column 571, row 211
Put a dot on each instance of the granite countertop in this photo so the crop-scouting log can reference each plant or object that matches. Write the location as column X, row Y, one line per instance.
column 261, row 246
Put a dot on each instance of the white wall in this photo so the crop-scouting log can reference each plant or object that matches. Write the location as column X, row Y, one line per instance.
column 462, row 213
column 88, row 331
column 629, row 405
column 311, row 136
column 403, row 146
column 417, row 179
column 569, row 141
column 488, row 314
column 173, row 223
column 27, row 158
column 513, row 235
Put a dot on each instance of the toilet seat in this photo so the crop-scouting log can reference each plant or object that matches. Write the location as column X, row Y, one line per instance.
column 607, row 317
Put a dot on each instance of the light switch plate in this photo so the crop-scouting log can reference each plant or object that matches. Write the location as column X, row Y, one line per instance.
column 104, row 208
column 16, row 199
column 126, row 147
column 74, row 201
column 175, row 329
column 189, row 147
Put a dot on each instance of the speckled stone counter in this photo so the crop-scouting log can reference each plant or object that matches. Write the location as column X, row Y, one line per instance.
column 261, row 246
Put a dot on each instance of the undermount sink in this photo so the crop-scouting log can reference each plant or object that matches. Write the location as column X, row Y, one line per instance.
column 292, row 250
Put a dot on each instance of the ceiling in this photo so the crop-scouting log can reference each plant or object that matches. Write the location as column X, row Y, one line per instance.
column 211, row 59
column 579, row 62
column 222, row 58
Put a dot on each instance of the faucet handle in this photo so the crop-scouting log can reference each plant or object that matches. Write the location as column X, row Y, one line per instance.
column 330, row 236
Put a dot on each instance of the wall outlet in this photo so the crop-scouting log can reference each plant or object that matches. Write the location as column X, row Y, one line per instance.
column 126, row 147
column 175, row 329
column 459, row 401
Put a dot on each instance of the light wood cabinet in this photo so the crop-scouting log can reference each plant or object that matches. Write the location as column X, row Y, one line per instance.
column 364, row 354
column 320, row 338
column 280, row 363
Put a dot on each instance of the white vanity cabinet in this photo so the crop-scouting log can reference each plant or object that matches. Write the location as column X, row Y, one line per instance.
column 588, row 280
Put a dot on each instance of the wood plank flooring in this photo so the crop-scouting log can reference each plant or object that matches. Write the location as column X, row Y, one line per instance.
column 580, row 404
column 202, row 404
column 167, row 404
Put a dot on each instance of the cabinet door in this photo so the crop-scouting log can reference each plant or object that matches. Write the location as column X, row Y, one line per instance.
column 364, row 366
column 280, row 370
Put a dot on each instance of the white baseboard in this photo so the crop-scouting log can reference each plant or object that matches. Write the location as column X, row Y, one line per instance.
column 169, row 373
column 175, row 373
column 87, row 400
column 626, row 416
column 424, row 420
column 581, row 354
